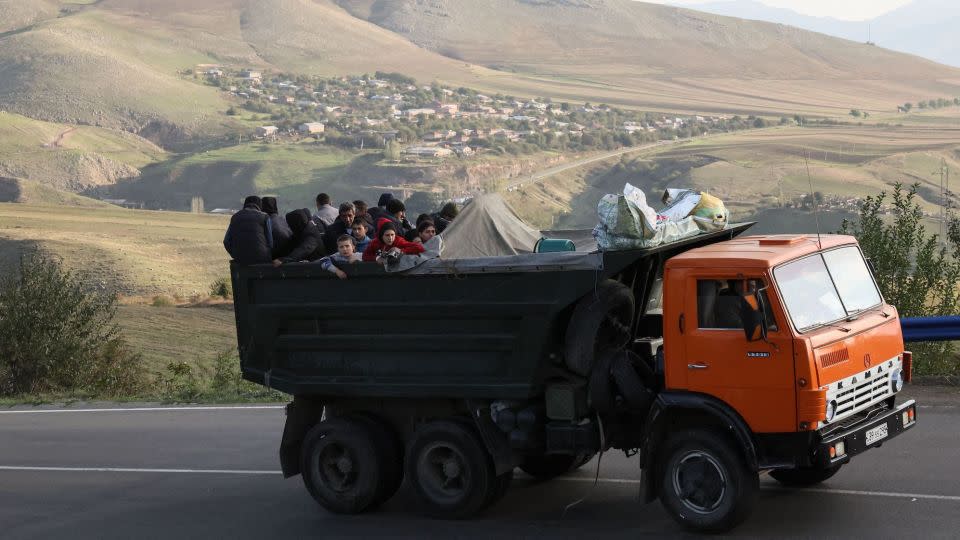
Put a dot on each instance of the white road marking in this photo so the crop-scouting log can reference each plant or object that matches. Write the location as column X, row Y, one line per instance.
column 147, row 409
column 577, row 479
column 955, row 498
column 137, row 470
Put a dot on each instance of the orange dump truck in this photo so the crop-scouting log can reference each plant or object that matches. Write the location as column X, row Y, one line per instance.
column 715, row 359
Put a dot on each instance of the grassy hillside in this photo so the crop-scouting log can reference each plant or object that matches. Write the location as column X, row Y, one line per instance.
column 754, row 172
column 132, row 252
column 70, row 157
column 195, row 335
column 662, row 57
column 18, row 190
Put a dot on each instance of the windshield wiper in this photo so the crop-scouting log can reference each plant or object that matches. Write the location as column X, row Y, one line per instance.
column 855, row 314
column 822, row 325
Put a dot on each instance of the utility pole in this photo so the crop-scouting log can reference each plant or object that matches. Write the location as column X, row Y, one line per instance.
column 944, row 199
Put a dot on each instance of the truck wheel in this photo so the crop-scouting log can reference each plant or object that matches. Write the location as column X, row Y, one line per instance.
column 601, row 320
column 340, row 466
column 705, row 484
column 803, row 477
column 451, row 473
column 389, row 455
column 545, row 467
column 600, row 395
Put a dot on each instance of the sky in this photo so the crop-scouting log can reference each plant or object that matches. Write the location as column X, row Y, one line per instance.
column 854, row 10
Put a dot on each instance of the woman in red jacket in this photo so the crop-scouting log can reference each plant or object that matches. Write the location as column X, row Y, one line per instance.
column 387, row 242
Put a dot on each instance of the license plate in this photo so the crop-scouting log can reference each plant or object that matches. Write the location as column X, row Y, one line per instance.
column 876, row 434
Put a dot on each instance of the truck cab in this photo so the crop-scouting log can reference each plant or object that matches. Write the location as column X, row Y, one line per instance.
column 790, row 337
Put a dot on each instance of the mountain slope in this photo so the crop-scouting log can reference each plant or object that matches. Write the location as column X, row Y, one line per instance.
column 664, row 56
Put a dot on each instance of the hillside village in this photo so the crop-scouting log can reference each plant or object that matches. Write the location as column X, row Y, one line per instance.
column 414, row 122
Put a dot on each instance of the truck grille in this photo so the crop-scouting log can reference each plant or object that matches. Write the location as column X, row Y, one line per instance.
column 863, row 394
column 835, row 357
column 863, row 390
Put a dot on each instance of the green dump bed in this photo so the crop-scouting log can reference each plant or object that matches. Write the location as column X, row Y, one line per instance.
column 470, row 328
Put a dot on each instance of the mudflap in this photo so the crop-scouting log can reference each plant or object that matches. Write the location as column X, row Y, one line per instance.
column 504, row 458
column 302, row 414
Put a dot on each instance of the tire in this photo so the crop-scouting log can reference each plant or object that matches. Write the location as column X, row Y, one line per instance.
column 629, row 383
column 705, row 484
column 389, row 454
column 451, row 473
column 340, row 466
column 600, row 392
column 601, row 320
column 804, row 477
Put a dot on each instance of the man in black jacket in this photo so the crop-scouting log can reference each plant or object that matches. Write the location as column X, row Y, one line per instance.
column 249, row 238
column 307, row 241
column 281, row 231
column 339, row 227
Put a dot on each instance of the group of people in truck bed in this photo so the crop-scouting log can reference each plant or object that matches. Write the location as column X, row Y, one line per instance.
column 331, row 236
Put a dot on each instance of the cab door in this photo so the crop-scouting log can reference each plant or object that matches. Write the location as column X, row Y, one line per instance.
column 755, row 378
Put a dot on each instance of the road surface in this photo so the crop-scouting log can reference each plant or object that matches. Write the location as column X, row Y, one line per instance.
column 212, row 473
column 545, row 173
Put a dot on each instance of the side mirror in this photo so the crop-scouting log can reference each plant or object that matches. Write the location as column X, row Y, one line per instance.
column 754, row 317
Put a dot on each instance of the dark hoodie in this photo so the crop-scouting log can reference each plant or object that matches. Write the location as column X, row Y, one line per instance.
column 282, row 235
column 307, row 242
column 445, row 216
column 380, row 210
column 249, row 238
column 377, row 245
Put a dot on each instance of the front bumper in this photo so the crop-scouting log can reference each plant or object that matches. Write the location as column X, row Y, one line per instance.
column 855, row 438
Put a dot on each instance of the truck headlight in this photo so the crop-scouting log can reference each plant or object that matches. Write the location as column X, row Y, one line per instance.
column 831, row 410
column 896, row 380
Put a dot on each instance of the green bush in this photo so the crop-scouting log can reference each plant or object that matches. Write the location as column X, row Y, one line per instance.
column 56, row 335
column 221, row 287
column 162, row 301
column 918, row 273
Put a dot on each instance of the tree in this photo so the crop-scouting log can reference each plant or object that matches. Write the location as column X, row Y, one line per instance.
column 916, row 272
column 907, row 106
column 391, row 151
column 855, row 113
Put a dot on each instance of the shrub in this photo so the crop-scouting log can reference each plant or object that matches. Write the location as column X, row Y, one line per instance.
column 221, row 287
column 58, row 336
column 161, row 301
column 918, row 273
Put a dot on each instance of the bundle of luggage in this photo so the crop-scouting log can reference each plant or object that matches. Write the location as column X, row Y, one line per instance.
column 627, row 221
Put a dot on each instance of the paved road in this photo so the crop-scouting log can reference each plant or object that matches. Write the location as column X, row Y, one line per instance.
column 545, row 173
column 212, row 473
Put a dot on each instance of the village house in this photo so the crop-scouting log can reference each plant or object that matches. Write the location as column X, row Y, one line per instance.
column 267, row 131
column 413, row 113
column 439, row 135
column 311, row 128
column 250, row 75
column 289, row 100
column 427, row 151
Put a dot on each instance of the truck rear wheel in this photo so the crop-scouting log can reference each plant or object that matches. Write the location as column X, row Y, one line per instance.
column 602, row 319
column 340, row 466
column 450, row 471
column 705, row 485
column 803, row 477
column 389, row 450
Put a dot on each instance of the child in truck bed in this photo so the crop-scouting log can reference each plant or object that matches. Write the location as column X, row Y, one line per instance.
column 345, row 255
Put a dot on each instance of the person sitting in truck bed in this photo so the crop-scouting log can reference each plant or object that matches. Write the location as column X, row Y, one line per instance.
column 359, row 232
column 397, row 213
column 380, row 210
column 424, row 232
column 363, row 213
column 389, row 244
column 445, row 216
column 339, row 227
column 281, row 231
column 307, row 242
column 345, row 255
column 249, row 237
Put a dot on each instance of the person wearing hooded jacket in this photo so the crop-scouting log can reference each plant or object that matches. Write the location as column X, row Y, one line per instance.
column 445, row 216
column 281, row 231
column 249, row 237
column 380, row 210
column 387, row 241
column 307, row 242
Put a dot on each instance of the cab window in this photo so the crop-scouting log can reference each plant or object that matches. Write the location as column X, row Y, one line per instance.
column 719, row 300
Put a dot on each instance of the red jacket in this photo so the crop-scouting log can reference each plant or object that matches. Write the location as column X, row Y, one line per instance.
column 375, row 246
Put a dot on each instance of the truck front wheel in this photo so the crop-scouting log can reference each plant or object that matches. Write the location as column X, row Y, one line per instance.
column 803, row 477
column 705, row 485
column 451, row 473
column 340, row 466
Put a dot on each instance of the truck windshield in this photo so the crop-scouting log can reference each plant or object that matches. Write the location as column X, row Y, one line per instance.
column 826, row 287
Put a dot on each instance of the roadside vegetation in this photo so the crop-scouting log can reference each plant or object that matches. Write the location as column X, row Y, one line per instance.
column 918, row 272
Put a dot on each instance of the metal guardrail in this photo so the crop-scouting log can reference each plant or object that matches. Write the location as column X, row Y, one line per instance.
column 945, row 328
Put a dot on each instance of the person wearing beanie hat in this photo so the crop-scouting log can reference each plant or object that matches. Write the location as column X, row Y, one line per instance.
column 388, row 243
column 282, row 234
column 249, row 237
column 380, row 210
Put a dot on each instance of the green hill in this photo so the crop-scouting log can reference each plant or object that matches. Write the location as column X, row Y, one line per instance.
column 18, row 190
